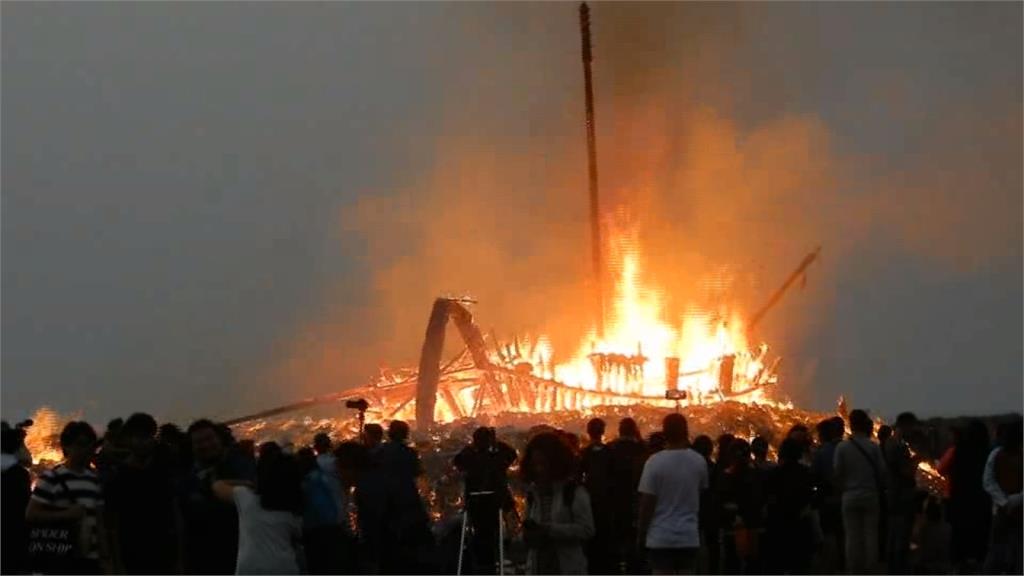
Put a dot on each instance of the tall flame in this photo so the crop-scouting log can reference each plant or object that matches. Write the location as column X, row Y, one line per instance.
column 41, row 438
column 630, row 358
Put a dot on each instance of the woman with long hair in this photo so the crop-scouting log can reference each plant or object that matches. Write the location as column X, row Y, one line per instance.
column 558, row 519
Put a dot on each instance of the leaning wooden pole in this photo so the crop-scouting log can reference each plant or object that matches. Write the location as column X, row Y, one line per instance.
column 595, row 210
column 777, row 295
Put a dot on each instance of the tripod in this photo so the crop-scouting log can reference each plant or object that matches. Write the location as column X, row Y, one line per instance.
column 501, row 534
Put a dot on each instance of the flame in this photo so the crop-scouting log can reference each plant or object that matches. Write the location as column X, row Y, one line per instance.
column 43, row 438
column 630, row 359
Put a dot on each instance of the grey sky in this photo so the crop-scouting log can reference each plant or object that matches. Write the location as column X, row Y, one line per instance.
column 177, row 178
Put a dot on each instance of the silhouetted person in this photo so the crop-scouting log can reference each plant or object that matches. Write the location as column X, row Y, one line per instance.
column 655, row 442
column 884, row 434
column 175, row 449
column 628, row 454
column 396, row 456
column 558, row 519
column 329, row 545
column 802, row 434
column 71, row 491
column 596, row 474
column 111, row 450
column 710, row 547
column 759, row 450
column 724, row 454
column 668, row 524
column 16, row 487
column 373, row 436
column 935, row 538
column 828, row 500
column 409, row 523
column 269, row 526
column 394, row 536
column 1003, row 482
column 140, row 500
column 211, row 525
column 738, row 493
column 789, row 532
column 484, row 464
column 969, row 506
column 572, row 441
column 902, row 493
column 704, row 446
column 860, row 474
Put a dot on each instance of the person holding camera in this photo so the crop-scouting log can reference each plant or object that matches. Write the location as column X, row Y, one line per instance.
column 558, row 519
column 484, row 464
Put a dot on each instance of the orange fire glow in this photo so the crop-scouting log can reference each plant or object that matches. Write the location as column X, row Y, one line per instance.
column 41, row 437
column 639, row 336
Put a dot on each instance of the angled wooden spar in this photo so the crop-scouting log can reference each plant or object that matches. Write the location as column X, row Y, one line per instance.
column 433, row 346
column 595, row 208
column 800, row 271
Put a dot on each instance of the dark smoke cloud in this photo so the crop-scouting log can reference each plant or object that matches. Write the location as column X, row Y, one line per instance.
column 719, row 181
column 234, row 205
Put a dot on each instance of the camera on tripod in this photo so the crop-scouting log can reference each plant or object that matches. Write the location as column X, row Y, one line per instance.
column 361, row 405
column 675, row 395
column 358, row 404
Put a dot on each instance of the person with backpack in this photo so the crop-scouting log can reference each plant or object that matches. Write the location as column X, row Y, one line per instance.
column 70, row 494
column 860, row 473
column 558, row 518
column 670, row 488
column 328, row 542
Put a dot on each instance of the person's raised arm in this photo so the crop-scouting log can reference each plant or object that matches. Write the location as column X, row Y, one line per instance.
column 224, row 490
column 945, row 466
column 988, row 480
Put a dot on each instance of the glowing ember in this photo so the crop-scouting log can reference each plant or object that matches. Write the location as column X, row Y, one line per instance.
column 43, row 438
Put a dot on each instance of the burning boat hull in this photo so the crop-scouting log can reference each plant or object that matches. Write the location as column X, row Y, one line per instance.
column 480, row 381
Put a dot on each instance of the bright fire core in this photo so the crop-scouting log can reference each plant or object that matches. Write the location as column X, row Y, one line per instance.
column 704, row 353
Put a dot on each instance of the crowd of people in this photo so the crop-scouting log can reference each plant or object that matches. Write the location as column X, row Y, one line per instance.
column 149, row 499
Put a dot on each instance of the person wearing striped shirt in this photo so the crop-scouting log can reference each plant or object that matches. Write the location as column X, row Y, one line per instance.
column 71, row 491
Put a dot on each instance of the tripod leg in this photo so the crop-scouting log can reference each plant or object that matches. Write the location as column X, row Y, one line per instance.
column 462, row 541
column 501, row 544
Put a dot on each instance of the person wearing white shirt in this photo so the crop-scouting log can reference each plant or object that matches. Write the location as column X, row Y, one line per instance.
column 670, row 488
